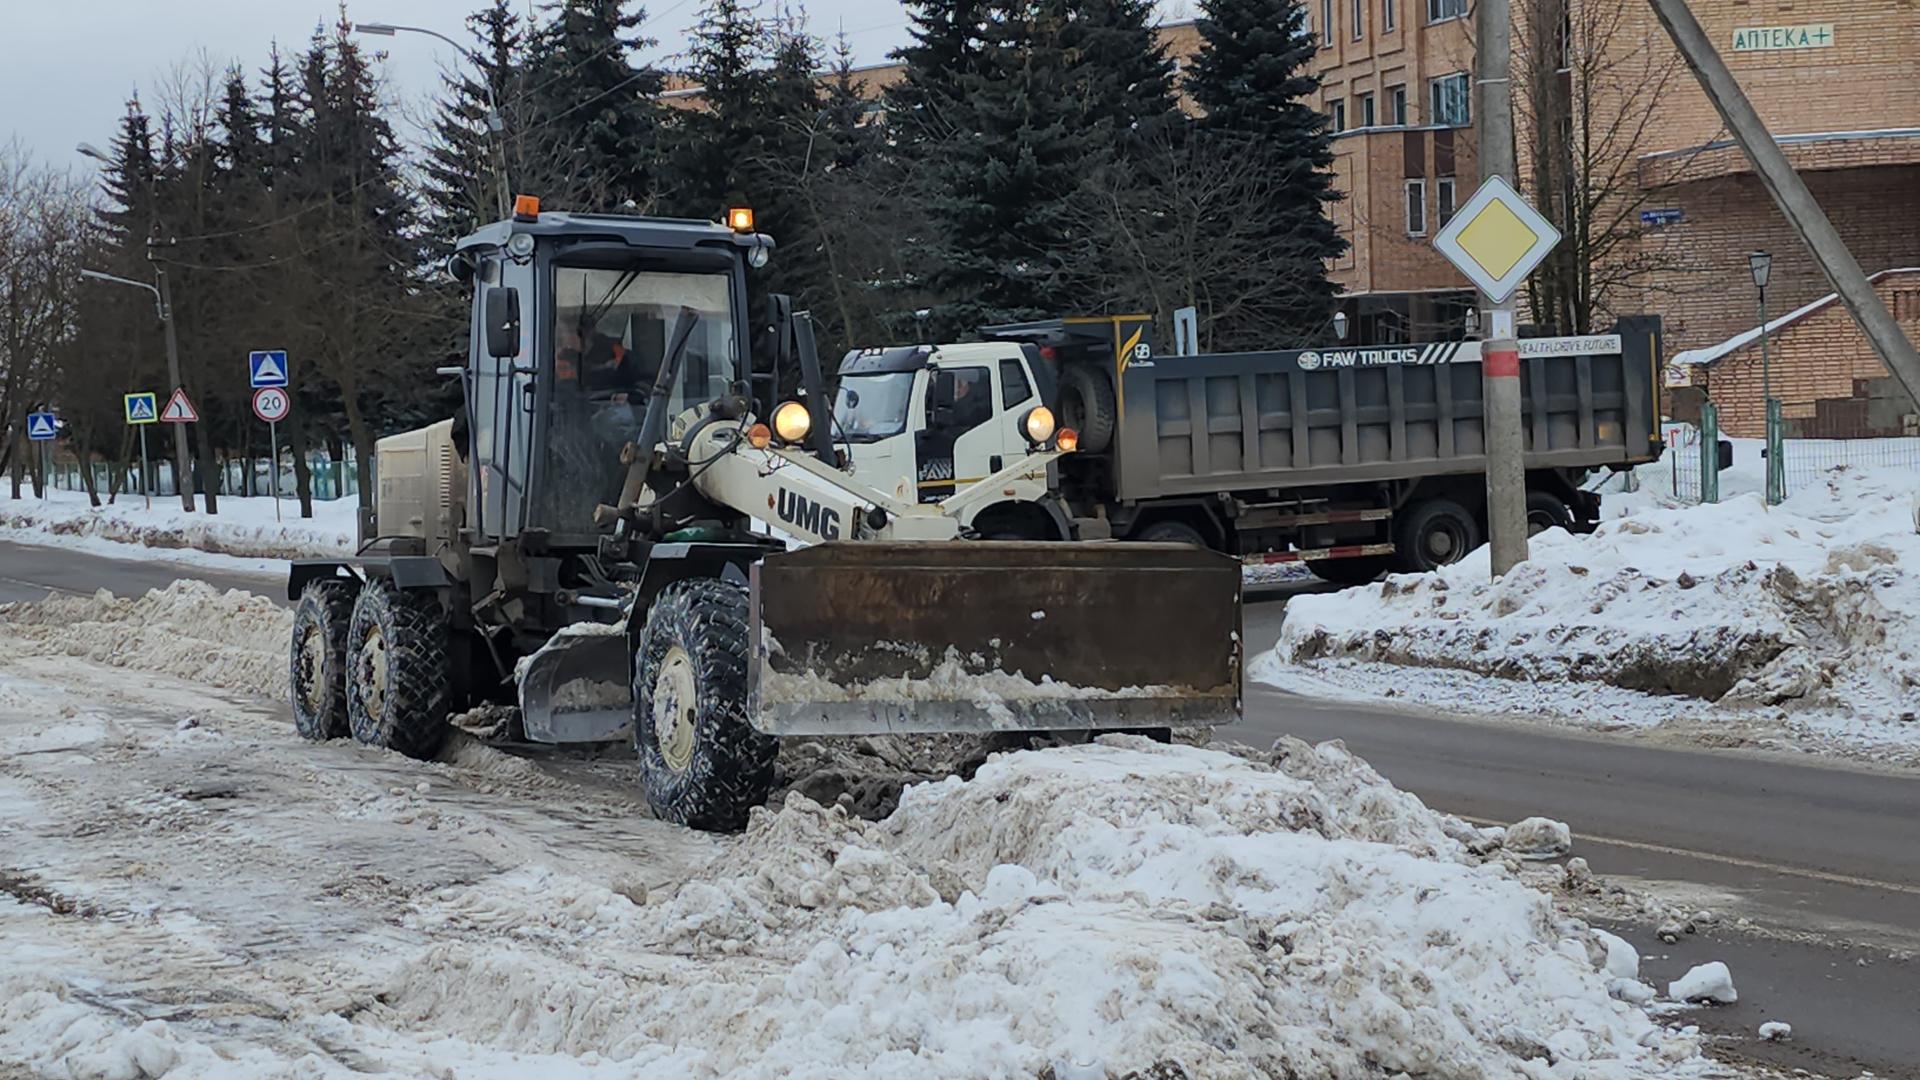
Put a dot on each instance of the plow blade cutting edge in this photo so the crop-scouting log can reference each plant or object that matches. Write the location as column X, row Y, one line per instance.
column 876, row 638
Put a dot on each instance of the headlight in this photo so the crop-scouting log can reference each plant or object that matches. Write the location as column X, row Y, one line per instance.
column 1068, row 442
column 757, row 257
column 792, row 422
column 520, row 245
column 758, row 436
column 1038, row 424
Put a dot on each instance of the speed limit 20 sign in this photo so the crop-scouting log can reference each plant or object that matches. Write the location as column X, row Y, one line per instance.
column 271, row 403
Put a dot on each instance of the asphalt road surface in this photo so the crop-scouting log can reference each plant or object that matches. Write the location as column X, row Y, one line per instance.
column 1826, row 854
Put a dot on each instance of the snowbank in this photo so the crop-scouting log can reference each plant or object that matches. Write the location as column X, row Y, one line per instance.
column 191, row 630
column 1813, row 605
column 1094, row 910
column 244, row 529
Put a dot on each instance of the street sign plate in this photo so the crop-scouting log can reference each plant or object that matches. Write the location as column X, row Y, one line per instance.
column 142, row 408
column 1496, row 239
column 270, row 403
column 179, row 410
column 267, row 367
column 42, row 426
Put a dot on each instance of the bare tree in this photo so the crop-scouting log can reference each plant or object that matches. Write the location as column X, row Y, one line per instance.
column 1590, row 75
column 1169, row 228
column 41, row 211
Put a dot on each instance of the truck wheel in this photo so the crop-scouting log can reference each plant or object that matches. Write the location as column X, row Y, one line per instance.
column 1546, row 511
column 317, row 661
column 1087, row 406
column 702, row 764
column 397, row 677
column 1171, row 532
column 1434, row 534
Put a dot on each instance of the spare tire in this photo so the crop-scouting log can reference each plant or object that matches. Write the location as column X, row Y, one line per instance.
column 1087, row 406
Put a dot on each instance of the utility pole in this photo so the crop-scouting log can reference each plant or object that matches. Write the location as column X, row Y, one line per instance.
column 163, row 304
column 1790, row 194
column 182, row 475
column 1500, row 355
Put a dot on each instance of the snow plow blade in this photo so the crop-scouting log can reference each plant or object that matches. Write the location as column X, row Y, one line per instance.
column 876, row 638
column 575, row 689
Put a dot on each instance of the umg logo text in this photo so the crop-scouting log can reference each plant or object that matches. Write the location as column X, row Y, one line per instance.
column 798, row 510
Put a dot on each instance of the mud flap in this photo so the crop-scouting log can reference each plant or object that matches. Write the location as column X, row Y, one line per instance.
column 867, row 638
column 578, row 686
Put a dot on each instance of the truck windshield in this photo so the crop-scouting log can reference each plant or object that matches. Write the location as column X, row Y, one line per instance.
column 872, row 407
column 610, row 329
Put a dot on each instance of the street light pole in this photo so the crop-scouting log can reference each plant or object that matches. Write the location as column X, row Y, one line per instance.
column 1500, row 355
column 163, row 304
column 1761, row 264
column 495, row 125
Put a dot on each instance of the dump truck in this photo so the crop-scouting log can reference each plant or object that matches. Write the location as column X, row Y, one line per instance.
column 1354, row 460
column 589, row 542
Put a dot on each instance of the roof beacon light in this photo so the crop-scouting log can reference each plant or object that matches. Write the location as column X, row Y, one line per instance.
column 526, row 207
column 740, row 219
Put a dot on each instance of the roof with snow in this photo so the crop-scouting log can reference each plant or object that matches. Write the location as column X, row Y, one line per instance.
column 1712, row 353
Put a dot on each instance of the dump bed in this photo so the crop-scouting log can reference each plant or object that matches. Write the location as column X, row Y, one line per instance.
column 1244, row 421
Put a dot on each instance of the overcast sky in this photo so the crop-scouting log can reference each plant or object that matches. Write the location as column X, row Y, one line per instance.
column 67, row 68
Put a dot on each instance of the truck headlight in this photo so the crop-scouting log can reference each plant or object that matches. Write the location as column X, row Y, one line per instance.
column 757, row 257
column 792, row 422
column 1038, row 424
column 1068, row 442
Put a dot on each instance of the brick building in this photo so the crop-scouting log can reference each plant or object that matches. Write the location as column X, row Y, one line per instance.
column 1829, row 382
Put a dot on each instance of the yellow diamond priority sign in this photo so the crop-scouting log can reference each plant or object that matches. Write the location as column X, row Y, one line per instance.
column 1496, row 239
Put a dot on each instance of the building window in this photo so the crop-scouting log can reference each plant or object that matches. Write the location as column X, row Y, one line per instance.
column 1326, row 24
column 1389, row 17
column 1416, row 208
column 1449, row 102
column 1367, row 117
column 1359, row 18
column 1443, row 204
column 1337, row 117
column 1397, row 106
column 1440, row 10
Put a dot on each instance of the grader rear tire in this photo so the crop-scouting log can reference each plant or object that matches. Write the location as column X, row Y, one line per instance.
column 317, row 662
column 702, row 764
column 398, row 683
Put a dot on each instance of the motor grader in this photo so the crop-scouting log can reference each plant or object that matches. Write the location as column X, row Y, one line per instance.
column 629, row 536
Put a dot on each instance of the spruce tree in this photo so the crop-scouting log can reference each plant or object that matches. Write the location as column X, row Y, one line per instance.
column 1121, row 77
column 852, row 139
column 948, row 44
column 715, row 146
column 593, row 118
column 1252, row 77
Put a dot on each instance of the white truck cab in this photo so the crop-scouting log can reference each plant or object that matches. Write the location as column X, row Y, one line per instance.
column 927, row 423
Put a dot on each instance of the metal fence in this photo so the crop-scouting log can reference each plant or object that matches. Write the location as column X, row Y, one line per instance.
column 331, row 479
column 1806, row 463
column 1809, row 461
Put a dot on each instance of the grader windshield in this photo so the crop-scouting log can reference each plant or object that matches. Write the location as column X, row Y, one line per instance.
column 610, row 333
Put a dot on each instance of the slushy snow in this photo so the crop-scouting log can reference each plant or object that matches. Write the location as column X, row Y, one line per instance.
column 1706, row 982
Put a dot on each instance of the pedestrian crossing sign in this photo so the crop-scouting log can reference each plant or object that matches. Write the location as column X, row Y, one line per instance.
column 42, row 426
column 142, row 409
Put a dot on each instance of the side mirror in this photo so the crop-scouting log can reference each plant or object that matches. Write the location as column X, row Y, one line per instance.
column 503, row 323
column 460, row 267
column 1726, row 453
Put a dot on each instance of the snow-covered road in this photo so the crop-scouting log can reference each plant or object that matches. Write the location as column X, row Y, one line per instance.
column 186, row 886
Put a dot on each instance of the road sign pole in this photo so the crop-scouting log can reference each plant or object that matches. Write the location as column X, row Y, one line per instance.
column 146, row 476
column 1506, row 452
column 273, row 470
column 180, row 475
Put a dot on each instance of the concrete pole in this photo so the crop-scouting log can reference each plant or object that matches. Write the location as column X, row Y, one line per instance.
column 1500, row 355
column 182, row 476
column 1790, row 194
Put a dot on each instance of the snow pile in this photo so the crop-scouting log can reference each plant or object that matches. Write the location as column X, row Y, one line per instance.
column 1706, row 982
column 244, row 528
column 190, row 630
column 1814, row 604
column 1776, row 1031
column 1090, row 910
column 1539, row 838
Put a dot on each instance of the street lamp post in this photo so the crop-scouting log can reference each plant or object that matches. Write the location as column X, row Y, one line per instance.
column 1340, row 325
column 163, row 304
column 1760, row 264
column 495, row 125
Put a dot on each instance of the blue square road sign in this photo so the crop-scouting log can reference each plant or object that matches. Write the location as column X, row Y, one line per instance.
column 42, row 426
column 267, row 367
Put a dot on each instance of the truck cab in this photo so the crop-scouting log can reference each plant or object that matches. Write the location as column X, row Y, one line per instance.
column 927, row 423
